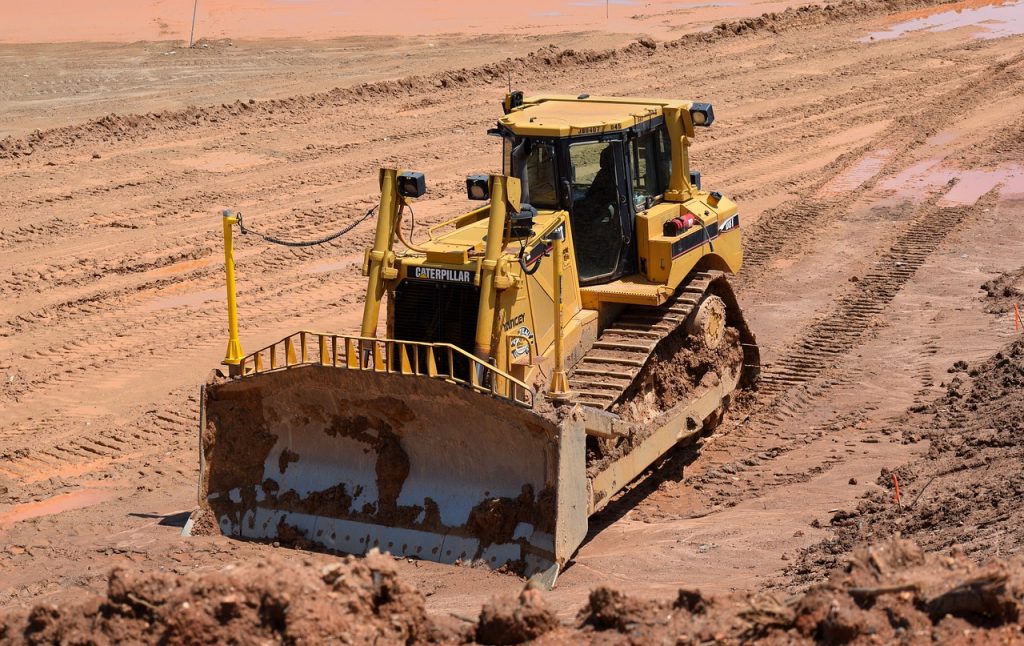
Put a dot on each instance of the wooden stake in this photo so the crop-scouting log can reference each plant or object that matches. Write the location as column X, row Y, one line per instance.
column 192, row 34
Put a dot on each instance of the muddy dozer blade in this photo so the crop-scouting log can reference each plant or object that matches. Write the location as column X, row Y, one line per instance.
column 351, row 460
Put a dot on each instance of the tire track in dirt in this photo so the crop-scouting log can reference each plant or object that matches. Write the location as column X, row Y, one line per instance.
column 854, row 313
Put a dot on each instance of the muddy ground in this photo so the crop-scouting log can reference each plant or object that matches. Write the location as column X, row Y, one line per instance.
column 881, row 185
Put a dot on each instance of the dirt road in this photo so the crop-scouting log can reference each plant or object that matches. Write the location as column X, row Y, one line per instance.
column 881, row 182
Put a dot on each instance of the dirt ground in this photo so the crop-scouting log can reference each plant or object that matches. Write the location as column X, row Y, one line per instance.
column 880, row 179
column 888, row 593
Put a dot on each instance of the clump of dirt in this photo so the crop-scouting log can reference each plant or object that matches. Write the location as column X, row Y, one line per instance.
column 677, row 368
column 967, row 491
column 271, row 601
column 510, row 620
column 1004, row 291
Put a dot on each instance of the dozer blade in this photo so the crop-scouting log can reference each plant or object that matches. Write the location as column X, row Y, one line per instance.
column 352, row 460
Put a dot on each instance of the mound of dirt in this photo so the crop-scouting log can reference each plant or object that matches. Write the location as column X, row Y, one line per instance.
column 887, row 592
column 129, row 127
column 1004, row 291
column 967, row 491
column 271, row 601
column 506, row 620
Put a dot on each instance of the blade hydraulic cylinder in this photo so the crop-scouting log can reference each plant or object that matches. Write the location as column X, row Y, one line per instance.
column 381, row 254
column 492, row 252
column 233, row 356
column 559, row 388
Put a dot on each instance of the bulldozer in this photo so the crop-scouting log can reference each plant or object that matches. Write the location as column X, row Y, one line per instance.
column 537, row 354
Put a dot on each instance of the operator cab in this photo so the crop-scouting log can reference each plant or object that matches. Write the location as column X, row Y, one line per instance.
column 603, row 162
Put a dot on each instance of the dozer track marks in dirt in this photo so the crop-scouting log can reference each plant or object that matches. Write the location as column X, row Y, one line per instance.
column 614, row 362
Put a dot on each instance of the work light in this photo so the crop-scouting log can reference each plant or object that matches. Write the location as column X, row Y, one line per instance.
column 412, row 184
column 476, row 187
column 702, row 114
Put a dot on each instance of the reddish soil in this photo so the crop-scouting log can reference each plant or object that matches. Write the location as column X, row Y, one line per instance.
column 886, row 593
column 880, row 184
column 967, row 490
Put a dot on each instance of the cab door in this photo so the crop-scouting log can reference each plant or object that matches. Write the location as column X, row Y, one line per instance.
column 599, row 211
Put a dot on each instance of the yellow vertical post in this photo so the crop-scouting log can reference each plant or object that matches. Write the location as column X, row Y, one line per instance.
column 234, row 355
column 679, row 187
column 494, row 245
column 559, row 387
column 382, row 243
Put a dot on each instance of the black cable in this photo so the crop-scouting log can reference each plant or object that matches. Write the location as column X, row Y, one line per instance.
column 305, row 243
column 522, row 260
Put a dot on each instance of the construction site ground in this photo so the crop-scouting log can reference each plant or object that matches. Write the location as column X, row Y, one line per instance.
column 875, row 150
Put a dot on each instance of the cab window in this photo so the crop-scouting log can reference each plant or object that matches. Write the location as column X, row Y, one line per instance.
column 540, row 177
column 538, row 171
column 651, row 161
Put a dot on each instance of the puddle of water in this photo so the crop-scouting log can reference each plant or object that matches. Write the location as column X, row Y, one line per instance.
column 930, row 175
column 1013, row 187
column 853, row 177
column 993, row 21
column 943, row 138
column 185, row 300
column 343, row 263
column 55, row 505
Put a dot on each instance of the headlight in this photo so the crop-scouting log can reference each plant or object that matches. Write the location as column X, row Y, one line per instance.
column 477, row 187
column 412, row 184
column 702, row 114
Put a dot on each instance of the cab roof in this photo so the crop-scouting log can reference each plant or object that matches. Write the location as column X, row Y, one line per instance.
column 567, row 116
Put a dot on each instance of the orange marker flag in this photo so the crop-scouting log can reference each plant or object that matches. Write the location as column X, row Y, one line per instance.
column 896, row 482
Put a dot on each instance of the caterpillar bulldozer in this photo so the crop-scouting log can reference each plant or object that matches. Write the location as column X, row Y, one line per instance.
column 536, row 355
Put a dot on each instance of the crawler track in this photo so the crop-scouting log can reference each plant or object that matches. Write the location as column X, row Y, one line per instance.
column 607, row 371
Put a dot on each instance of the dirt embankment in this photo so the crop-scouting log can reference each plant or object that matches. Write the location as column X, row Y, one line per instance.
column 968, row 490
column 887, row 592
column 267, row 601
column 119, row 127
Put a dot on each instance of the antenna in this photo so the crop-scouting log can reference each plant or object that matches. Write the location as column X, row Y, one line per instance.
column 509, row 71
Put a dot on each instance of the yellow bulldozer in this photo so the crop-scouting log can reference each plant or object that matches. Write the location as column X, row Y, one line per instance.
column 538, row 353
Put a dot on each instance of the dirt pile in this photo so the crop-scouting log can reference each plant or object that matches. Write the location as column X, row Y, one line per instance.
column 1004, row 291
column 268, row 601
column 507, row 620
column 967, row 491
column 885, row 593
